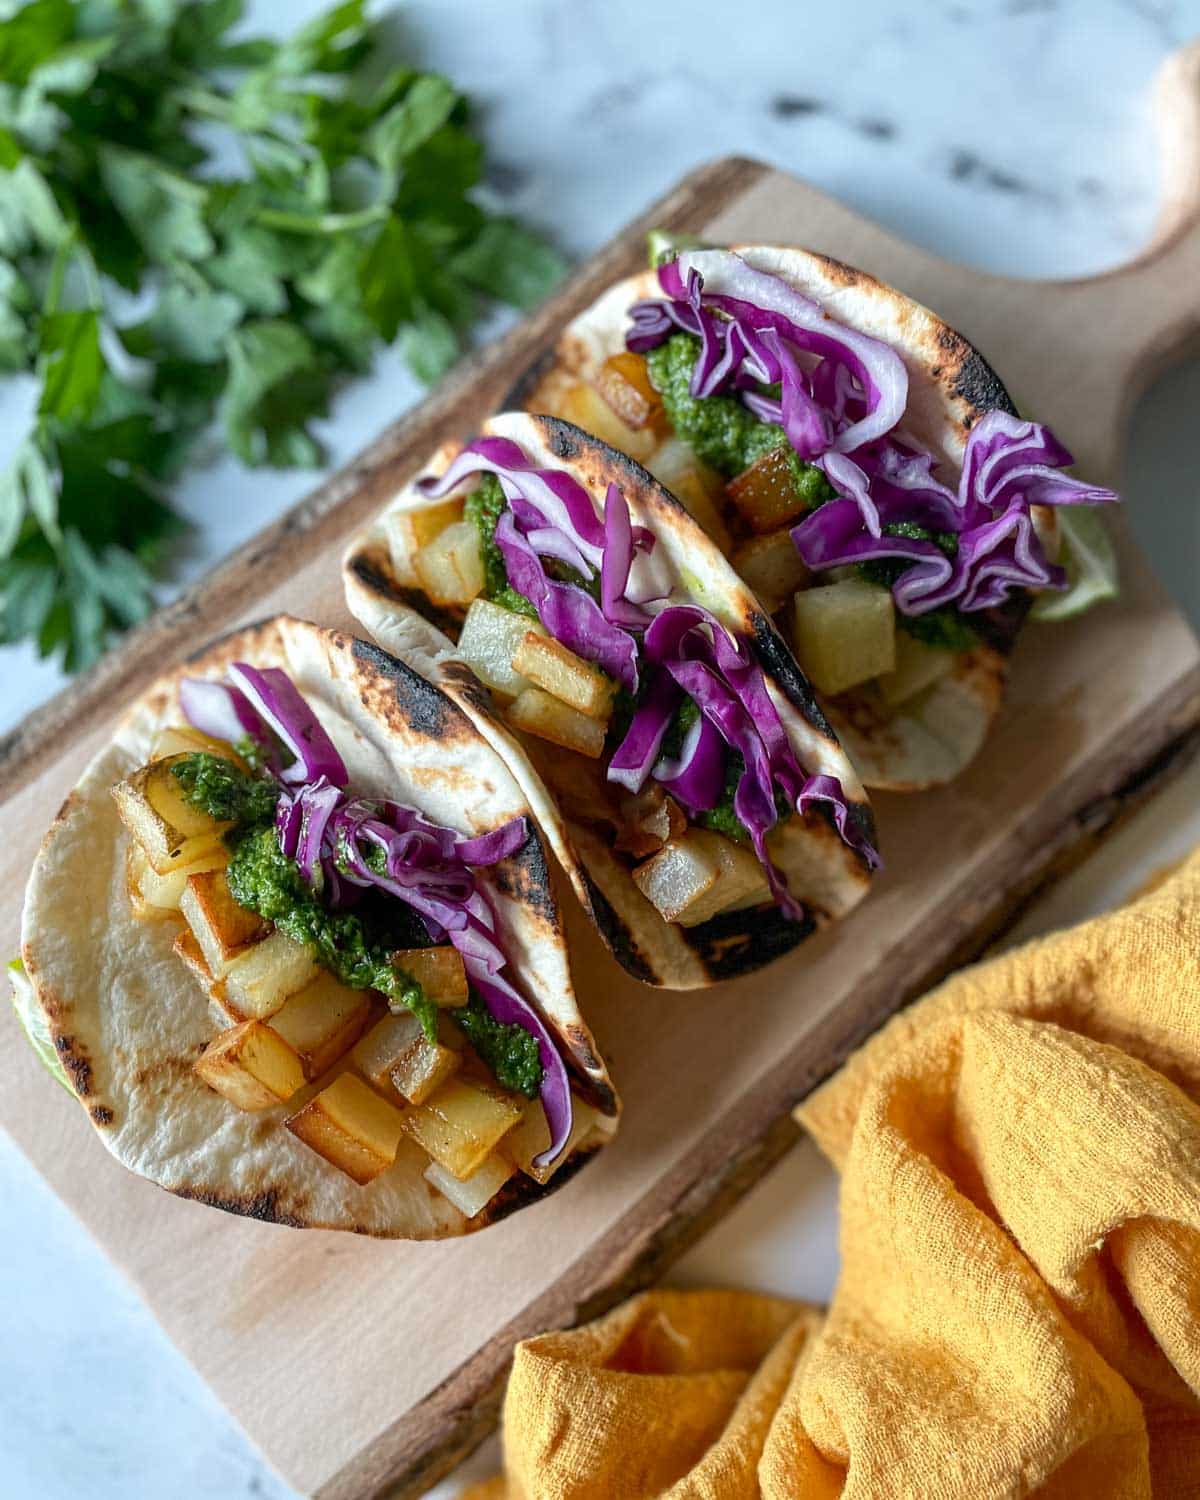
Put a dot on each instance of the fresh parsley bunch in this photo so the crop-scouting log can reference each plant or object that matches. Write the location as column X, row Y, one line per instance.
column 150, row 286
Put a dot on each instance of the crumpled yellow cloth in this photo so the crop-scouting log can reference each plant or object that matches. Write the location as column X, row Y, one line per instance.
column 1019, row 1305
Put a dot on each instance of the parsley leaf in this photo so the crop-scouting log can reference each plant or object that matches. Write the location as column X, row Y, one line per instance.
column 278, row 209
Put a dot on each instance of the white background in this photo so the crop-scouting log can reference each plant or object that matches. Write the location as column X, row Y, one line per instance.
column 1012, row 134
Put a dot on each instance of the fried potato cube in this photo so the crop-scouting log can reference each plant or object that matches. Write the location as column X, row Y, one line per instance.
column 700, row 874
column 322, row 1021
column 180, row 739
column 474, row 1192
column 531, row 1136
column 221, row 927
column 410, row 530
column 586, row 407
column 649, row 818
column 699, row 489
column 771, row 567
column 624, row 382
column 450, row 568
column 350, row 1126
column 396, row 1054
column 488, row 641
column 551, row 719
column 766, row 493
column 136, row 865
column 918, row 666
column 173, row 833
column 580, row 684
column 262, row 977
column 844, row 634
column 165, row 891
column 460, row 1124
column 251, row 1066
column 439, row 971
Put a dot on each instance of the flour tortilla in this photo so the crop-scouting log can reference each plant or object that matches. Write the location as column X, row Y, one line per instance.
column 934, row 736
column 128, row 1019
column 382, row 592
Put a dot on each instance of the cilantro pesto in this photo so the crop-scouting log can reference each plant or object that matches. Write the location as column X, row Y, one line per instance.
column 354, row 946
column 509, row 1050
column 484, row 507
column 719, row 429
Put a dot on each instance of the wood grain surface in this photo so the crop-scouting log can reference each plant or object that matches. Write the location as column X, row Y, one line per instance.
column 365, row 1368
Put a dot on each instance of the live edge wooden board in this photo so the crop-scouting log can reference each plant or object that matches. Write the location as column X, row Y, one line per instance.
column 365, row 1368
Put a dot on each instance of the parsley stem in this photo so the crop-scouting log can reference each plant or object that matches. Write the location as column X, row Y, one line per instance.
column 279, row 218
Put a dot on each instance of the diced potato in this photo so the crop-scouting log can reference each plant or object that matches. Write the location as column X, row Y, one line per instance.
column 221, row 927
column 476, row 1191
column 918, row 666
column 252, row 1066
column 165, row 891
column 489, row 638
column 461, row 1123
column 396, row 1054
column 580, row 684
column 410, row 530
column 262, row 977
column 180, row 739
column 586, row 407
column 699, row 489
column 188, row 950
column 649, row 818
column 624, row 382
column 531, row 1136
column 439, row 971
column 551, row 719
column 700, row 874
column 173, row 833
column 136, row 865
column 422, row 1069
column 322, row 1021
column 350, row 1126
column 450, row 568
column 766, row 492
column 844, row 634
column 772, row 568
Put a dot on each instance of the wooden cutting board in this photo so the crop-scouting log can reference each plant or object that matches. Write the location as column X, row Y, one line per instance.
column 365, row 1368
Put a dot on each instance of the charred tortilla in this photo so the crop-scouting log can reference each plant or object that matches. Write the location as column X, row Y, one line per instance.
column 128, row 1020
column 568, row 794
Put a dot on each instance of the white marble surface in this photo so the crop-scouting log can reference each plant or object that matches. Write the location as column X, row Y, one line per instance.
column 1014, row 134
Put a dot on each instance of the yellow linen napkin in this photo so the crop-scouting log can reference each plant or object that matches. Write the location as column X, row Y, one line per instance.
column 1019, row 1306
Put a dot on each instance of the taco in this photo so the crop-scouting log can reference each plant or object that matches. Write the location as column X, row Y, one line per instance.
column 670, row 747
column 862, row 467
column 294, row 944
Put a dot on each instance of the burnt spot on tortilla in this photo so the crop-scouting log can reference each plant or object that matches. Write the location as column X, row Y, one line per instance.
column 841, row 274
column 243, row 633
column 426, row 709
column 264, row 1206
column 779, row 663
column 736, row 942
column 467, row 687
column 615, row 933
column 370, row 567
column 75, row 1061
column 525, row 876
column 520, row 1190
column 590, row 1079
column 101, row 1115
column 978, row 385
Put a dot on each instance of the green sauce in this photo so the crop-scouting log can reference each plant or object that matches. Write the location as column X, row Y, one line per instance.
column 507, row 1049
column 354, row 946
column 945, row 629
column 224, row 790
column 484, row 507
column 719, row 429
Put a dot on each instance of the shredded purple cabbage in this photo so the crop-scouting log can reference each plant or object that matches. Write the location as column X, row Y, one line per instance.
column 1009, row 466
column 842, row 397
column 430, row 868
